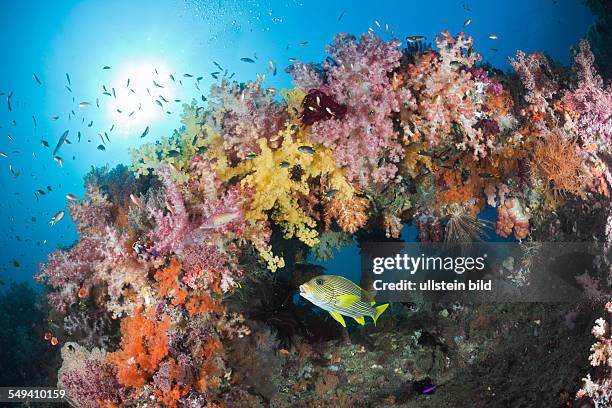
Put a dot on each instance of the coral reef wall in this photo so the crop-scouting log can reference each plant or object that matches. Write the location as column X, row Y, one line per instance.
column 156, row 300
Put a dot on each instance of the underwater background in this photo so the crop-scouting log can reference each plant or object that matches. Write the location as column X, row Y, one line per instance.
column 173, row 171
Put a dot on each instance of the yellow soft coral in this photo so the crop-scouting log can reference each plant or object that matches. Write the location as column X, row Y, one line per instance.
column 278, row 176
column 293, row 98
column 412, row 158
column 175, row 150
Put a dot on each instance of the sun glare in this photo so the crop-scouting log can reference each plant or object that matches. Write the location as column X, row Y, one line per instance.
column 141, row 94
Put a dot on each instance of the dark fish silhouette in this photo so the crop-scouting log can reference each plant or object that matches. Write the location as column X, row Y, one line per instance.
column 60, row 142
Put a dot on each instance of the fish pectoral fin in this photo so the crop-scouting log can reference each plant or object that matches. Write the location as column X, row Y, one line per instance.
column 338, row 317
column 360, row 320
column 346, row 300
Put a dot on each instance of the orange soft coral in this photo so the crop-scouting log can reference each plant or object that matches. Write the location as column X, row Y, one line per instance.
column 349, row 214
column 499, row 104
column 209, row 368
column 171, row 398
column 168, row 283
column 144, row 344
column 202, row 304
column 454, row 188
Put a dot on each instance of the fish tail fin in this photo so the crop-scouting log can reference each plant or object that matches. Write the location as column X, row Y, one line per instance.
column 379, row 310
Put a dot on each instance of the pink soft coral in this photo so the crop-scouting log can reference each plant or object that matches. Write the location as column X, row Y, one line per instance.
column 244, row 113
column 439, row 91
column 93, row 213
column 90, row 259
column 600, row 392
column 511, row 216
column 590, row 99
column 206, row 265
column 203, row 235
column 173, row 225
column 89, row 380
column 357, row 78
column 536, row 75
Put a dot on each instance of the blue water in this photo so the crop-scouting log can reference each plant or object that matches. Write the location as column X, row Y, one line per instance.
column 134, row 38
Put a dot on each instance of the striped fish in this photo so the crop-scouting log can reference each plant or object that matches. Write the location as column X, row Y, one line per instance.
column 341, row 297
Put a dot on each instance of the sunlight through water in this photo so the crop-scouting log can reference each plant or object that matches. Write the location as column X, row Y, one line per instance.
column 142, row 93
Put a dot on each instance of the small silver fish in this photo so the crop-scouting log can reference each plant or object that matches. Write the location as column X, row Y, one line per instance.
column 71, row 197
column 467, row 22
column 249, row 60
column 332, row 192
column 136, row 200
column 57, row 217
column 60, row 142
column 306, row 149
column 84, row 104
column 219, row 220
column 415, row 38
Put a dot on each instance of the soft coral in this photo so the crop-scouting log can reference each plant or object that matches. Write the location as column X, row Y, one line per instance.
column 144, row 345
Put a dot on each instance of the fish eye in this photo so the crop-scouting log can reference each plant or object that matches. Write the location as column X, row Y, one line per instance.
column 320, row 281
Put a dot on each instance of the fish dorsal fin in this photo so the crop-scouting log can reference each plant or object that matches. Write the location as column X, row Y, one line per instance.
column 338, row 317
column 367, row 297
column 370, row 295
column 360, row 320
column 346, row 300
